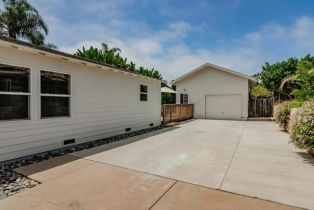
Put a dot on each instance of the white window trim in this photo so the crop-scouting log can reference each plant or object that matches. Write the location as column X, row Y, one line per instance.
column 55, row 95
column 144, row 93
column 15, row 93
column 183, row 100
column 20, row 93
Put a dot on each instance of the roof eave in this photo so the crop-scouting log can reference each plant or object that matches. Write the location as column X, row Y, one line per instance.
column 252, row 80
column 65, row 56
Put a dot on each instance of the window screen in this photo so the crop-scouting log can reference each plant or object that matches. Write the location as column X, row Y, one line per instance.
column 143, row 93
column 14, row 92
column 184, row 98
column 55, row 94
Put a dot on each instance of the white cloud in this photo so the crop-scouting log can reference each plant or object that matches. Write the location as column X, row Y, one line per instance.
column 168, row 49
column 147, row 46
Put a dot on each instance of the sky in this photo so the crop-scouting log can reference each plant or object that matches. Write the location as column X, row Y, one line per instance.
column 176, row 36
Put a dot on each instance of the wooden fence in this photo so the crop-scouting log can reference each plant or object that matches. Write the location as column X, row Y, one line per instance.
column 176, row 112
column 261, row 107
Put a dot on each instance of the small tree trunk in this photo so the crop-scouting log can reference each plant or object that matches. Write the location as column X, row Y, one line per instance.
column 12, row 35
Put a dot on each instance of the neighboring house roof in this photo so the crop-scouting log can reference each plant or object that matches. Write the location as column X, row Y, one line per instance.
column 65, row 56
column 167, row 90
column 252, row 81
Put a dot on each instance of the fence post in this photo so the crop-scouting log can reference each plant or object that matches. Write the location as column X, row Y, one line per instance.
column 170, row 113
column 163, row 114
column 180, row 113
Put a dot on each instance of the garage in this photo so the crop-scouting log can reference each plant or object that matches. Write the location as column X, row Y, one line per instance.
column 215, row 92
column 223, row 107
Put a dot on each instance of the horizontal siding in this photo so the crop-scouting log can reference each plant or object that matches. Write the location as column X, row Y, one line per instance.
column 210, row 81
column 59, row 137
column 103, row 104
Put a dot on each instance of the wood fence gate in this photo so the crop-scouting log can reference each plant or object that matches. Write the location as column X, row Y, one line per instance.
column 261, row 107
column 176, row 112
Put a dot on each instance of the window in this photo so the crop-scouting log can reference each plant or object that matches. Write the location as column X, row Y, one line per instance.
column 55, row 94
column 144, row 91
column 14, row 92
column 184, row 98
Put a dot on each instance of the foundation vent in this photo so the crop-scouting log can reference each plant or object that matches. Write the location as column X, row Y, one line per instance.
column 69, row 141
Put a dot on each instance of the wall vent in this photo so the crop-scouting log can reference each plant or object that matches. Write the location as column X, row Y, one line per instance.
column 128, row 129
column 69, row 141
column 152, row 124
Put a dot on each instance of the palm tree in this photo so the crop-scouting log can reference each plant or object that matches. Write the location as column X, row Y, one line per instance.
column 112, row 56
column 19, row 19
column 105, row 48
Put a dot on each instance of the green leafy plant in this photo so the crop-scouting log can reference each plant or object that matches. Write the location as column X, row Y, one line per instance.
column 112, row 56
column 260, row 91
column 304, row 78
column 272, row 74
column 302, row 135
column 19, row 19
column 282, row 112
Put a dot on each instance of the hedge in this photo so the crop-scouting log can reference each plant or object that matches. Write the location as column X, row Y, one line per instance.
column 282, row 112
column 302, row 135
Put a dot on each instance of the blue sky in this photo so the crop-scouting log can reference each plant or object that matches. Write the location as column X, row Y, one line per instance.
column 176, row 36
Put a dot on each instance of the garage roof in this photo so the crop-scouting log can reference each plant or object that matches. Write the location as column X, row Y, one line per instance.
column 252, row 81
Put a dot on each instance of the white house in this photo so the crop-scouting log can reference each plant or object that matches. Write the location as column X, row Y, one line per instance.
column 216, row 92
column 50, row 99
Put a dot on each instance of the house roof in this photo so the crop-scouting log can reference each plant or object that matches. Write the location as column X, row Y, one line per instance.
column 18, row 44
column 167, row 90
column 252, row 81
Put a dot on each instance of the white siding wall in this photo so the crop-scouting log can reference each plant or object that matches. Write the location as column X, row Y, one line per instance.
column 212, row 82
column 103, row 104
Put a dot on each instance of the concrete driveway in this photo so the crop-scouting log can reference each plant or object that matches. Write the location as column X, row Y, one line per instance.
column 249, row 158
column 178, row 168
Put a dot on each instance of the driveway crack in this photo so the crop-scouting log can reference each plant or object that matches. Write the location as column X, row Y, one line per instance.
column 234, row 151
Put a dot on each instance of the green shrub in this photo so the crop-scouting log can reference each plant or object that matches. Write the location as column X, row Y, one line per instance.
column 282, row 112
column 260, row 91
column 302, row 135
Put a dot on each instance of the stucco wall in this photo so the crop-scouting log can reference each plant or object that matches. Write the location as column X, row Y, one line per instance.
column 103, row 103
column 210, row 81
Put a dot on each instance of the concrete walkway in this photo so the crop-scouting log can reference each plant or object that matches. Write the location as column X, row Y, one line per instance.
column 79, row 184
column 178, row 168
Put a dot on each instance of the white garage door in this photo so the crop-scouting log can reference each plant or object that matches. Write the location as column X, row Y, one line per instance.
column 224, row 107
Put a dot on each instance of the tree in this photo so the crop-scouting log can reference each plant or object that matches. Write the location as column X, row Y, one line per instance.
column 272, row 75
column 105, row 48
column 92, row 53
column 20, row 20
column 112, row 56
column 260, row 91
column 304, row 78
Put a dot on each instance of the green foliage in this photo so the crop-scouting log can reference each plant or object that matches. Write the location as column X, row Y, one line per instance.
column 19, row 19
column 112, row 56
column 294, row 77
column 282, row 112
column 168, row 98
column 260, row 91
column 305, row 78
column 272, row 74
column 302, row 135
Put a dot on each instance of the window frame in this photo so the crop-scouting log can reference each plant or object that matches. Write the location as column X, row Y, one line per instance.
column 55, row 95
column 29, row 94
column 182, row 95
column 143, row 93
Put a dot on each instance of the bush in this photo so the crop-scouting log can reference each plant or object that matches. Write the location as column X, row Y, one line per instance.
column 282, row 112
column 260, row 91
column 302, row 135
column 294, row 114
